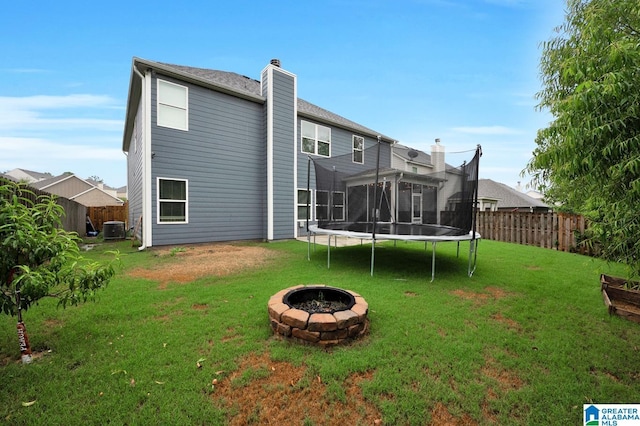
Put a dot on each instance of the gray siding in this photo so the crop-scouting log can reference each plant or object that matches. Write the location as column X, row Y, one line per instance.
column 284, row 122
column 222, row 157
column 134, row 171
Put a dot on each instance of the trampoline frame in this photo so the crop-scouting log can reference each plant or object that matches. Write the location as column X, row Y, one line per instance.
column 473, row 238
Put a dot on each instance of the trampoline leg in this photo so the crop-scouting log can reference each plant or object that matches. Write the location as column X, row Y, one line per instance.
column 308, row 246
column 473, row 257
column 433, row 261
column 458, row 250
column 329, row 252
column 373, row 254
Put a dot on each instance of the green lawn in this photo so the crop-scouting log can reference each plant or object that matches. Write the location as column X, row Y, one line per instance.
column 526, row 340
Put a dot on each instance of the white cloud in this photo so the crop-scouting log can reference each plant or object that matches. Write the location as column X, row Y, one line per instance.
column 486, row 130
column 16, row 150
column 28, row 113
column 40, row 102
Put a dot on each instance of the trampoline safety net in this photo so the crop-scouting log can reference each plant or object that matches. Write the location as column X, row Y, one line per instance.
column 382, row 200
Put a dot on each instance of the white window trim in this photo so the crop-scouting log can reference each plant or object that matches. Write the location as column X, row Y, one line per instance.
column 354, row 150
column 315, row 146
column 186, row 108
column 186, row 201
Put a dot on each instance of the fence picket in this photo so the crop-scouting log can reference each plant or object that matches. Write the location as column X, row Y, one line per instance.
column 548, row 230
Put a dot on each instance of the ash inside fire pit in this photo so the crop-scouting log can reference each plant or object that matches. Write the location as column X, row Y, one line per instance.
column 314, row 300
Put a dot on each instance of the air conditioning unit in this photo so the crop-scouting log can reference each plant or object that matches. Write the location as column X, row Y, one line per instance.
column 113, row 230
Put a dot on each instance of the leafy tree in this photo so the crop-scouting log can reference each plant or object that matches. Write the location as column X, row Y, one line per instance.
column 588, row 158
column 39, row 259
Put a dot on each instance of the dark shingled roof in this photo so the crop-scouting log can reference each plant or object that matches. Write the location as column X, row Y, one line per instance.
column 507, row 197
column 243, row 84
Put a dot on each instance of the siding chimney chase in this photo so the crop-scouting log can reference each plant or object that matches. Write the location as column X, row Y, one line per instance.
column 437, row 157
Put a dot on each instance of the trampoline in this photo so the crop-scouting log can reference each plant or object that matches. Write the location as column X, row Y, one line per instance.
column 389, row 204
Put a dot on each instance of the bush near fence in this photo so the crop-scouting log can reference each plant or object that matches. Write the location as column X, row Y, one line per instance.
column 560, row 231
column 75, row 218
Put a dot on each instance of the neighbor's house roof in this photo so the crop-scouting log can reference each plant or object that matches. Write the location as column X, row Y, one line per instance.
column 74, row 188
column 27, row 175
column 419, row 157
column 231, row 83
column 507, row 197
column 7, row 177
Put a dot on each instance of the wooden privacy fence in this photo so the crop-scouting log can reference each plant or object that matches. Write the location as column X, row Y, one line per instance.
column 549, row 230
column 75, row 218
column 100, row 215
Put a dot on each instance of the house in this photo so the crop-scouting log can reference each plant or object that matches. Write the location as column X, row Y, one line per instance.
column 495, row 196
column 27, row 176
column 115, row 192
column 218, row 156
column 74, row 188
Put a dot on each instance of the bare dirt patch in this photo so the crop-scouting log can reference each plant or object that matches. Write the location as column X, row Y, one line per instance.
column 269, row 392
column 490, row 293
column 184, row 264
column 511, row 324
column 440, row 416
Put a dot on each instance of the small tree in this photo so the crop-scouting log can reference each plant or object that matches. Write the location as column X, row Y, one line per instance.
column 39, row 259
column 588, row 158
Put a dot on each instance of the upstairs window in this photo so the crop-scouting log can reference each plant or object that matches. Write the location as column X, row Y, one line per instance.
column 358, row 148
column 173, row 101
column 316, row 139
column 172, row 201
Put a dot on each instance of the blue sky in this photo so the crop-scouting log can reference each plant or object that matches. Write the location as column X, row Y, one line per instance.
column 464, row 71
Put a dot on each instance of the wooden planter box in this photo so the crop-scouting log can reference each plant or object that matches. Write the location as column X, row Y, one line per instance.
column 620, row 300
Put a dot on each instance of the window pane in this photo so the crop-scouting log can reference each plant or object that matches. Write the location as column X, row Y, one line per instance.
column 338, row 213
column 322, row 213
column 308, row 145
column 303, row 196
column 172, row 94
column 358, row 143
column 308, row 130
column 172, row 211
column 324, row 134
column 357, row 156
column 302, row 210
column 173, row 189
column 169, row 116
column 338, row 198
column 322, row 198
column 323, row 149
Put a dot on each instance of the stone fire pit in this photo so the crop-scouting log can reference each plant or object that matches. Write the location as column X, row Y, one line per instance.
column 318, row 314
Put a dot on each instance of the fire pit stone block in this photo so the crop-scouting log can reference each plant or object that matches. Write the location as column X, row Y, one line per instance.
column 324, row 329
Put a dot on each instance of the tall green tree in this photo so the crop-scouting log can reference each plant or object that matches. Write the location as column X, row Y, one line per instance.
column 40, row 259
column 588, row 158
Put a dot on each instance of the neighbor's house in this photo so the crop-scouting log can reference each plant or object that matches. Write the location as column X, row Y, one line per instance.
column 495, row 196
column 79, row 190
column 27, row 176
column 218, row 156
